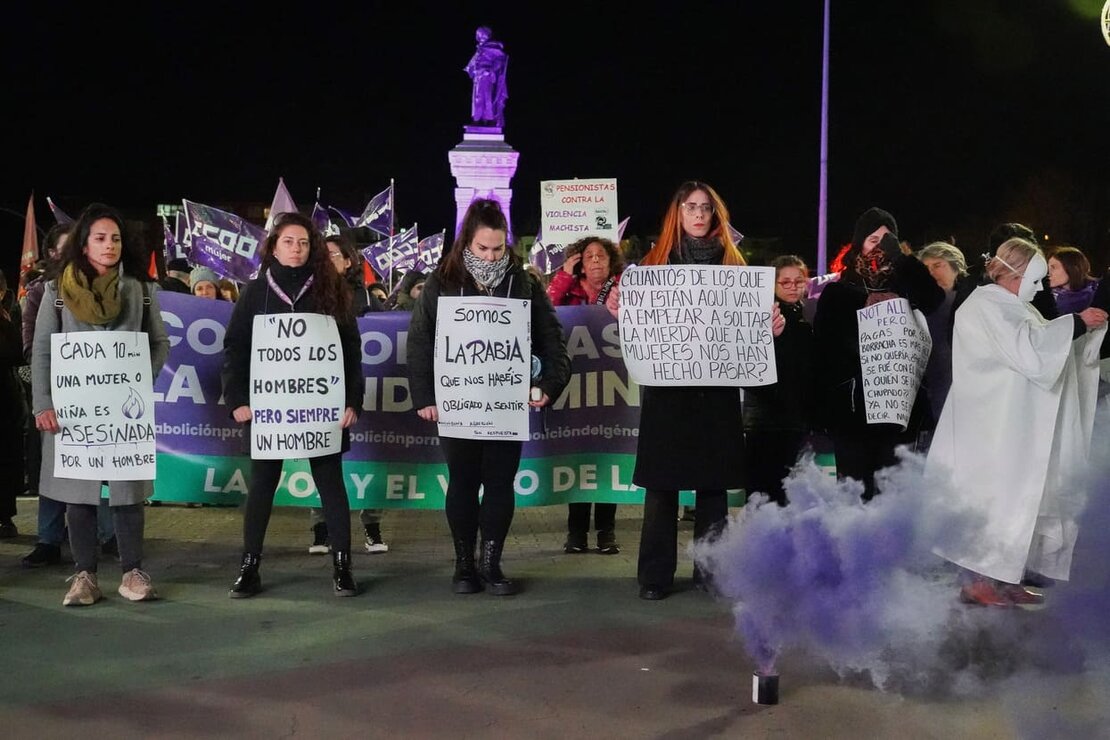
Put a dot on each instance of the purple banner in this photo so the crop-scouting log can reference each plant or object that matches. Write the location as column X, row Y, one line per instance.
column 378, row 214
column 599, row 411
column 224, row 242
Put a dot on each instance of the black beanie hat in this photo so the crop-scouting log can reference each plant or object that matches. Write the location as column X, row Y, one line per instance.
column 870, row 220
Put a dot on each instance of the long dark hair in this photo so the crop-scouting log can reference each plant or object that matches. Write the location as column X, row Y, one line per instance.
column 353, row 274
column 1075, row 264
column 670, row 235
column 481, row 213
column 329, row 288
column 73, row 251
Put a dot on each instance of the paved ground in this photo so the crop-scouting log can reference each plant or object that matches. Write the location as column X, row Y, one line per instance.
column 577, row 654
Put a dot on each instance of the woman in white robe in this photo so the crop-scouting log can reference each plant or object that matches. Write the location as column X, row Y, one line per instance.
column 1015, row 433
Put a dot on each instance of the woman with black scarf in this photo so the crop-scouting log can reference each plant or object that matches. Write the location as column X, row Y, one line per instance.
column 875, row 270
column 295, row 277
column 690, row 437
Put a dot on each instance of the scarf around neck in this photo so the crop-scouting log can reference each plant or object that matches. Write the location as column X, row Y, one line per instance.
column 97, row 304
column 702, row 250
column 488, row 275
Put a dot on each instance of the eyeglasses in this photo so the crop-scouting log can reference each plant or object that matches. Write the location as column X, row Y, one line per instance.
column 799, row 283
column 693, row 208
column 336, row 255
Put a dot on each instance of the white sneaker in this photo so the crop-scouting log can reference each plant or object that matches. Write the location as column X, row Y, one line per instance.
column 136, row 586
column 84, row 590
column 319, row 544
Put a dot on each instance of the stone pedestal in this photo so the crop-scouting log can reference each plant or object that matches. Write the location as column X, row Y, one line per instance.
column 483, row 165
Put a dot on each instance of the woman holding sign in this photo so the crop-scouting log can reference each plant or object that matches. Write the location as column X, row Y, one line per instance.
column 295, row 277
column 96, row 287
column 592, row 270
column 875, row 270
column 480, row 264
column 691, row 437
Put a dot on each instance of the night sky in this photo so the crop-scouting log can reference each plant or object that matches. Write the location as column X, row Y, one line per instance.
column 952, row 114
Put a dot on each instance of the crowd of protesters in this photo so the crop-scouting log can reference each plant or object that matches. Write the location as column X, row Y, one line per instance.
column 705, row 439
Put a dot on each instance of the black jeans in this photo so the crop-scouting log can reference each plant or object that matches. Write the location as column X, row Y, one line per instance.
column 327, row 474
column 83, row 540
column 491, row 464
column 659, row 535
column 578, row 517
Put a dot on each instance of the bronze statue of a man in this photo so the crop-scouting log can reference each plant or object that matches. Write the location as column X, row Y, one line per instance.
column 487, row 68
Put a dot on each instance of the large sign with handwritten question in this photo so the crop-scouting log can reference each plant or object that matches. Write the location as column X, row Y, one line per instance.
column 297, row 388
column 103, row 395
column 483, row 360
column 698, row 325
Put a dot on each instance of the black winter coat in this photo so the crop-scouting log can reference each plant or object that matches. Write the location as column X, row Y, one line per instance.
column 258, row 299
column 836, row 331
column 787, row 404
column 547, row 334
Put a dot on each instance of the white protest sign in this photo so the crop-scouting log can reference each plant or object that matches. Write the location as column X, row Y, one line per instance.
column 103, row 394
column 894, row 346
column 483, row 361
column 298, row 391
column 698, row 325
column 572, row 209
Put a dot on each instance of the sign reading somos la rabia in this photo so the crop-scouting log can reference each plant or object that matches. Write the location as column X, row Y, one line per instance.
column 483, row 358
column 698, row 325
column 103, row 396
column 298, row 390
column 894, row 346
column 572, row 209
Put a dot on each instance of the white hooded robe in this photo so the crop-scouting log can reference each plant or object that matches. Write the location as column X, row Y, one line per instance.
column 1015, row 433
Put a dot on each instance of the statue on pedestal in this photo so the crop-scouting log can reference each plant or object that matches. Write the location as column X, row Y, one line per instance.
column 487, row 68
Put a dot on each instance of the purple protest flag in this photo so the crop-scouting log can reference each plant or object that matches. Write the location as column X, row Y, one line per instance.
column 174, row 249
column 282, row 203
column 430, row 249
column 224, row 242
column 348, row 220
column 376, row 250
column 378, row 213
column 621, row 226
column 737, row 237
column 181, row 232
column 59, row 215
column 322, row 221
column 537, row 256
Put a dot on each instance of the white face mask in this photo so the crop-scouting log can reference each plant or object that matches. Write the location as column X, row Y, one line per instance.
column 1035, row 272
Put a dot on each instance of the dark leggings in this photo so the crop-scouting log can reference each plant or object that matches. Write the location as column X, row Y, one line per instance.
column 327, row 473
column 659, row 535
column 578, row 517
column 491, row 464
column 83, row 540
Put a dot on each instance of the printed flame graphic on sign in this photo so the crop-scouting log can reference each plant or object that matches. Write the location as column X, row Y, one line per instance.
column 133, row 407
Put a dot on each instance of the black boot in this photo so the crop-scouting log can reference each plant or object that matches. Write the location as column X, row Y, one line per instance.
column 489, row 569
column 465, row 580
column 249, row 582
column 344, row 582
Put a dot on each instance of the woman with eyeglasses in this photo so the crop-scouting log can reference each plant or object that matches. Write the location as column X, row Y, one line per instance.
column 777, row 416
column 588, row 277
column 692, row 437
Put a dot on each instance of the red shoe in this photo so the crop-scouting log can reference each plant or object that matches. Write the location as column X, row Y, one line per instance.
column 984, row 593
column 1021, row 596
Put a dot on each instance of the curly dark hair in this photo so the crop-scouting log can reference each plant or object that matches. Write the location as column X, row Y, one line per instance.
column 329, row 288
column 616, row 259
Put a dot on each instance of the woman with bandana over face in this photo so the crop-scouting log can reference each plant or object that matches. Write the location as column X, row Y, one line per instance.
column 480, row 263
column 875, row 269
column 1016, row 432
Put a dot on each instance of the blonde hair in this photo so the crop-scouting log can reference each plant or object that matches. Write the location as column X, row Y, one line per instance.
column 1011, row 258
